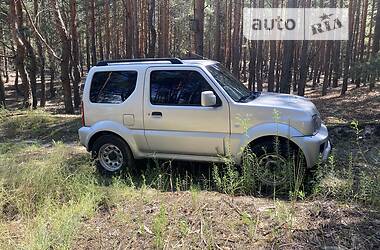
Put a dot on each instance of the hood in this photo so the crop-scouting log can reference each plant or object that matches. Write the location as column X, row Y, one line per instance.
column 285, row 101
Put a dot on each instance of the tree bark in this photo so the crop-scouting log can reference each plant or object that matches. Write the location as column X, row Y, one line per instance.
column 217, row 35
column 2, row 92
column 326, row 68
column 369, row 47
column 93, row 32
column 52, row 76
column 347, row 60
column 287, row 61
column 252, row 65
column 130, row 28
column 163, row 45
column 65, row 61
column 236, row 50
column 227, row 49
column 198, row 30
column 376, row 37
column 152, row 29
column 304, row 66
column 41, row 59
column 16, row 21
column 75, row 52
column 107, row 33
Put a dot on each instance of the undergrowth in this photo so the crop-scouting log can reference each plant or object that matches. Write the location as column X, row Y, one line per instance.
column 47, row 192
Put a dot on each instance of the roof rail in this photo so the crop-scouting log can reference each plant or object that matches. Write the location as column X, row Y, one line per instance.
column 171, row 60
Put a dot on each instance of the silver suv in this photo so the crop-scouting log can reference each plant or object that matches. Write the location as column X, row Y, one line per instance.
column 191, row 110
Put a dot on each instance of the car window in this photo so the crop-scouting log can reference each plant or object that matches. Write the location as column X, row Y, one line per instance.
column 234, row 88
column 177, row 87
column 112, row 86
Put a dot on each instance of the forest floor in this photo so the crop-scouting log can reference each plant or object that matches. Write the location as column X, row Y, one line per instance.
column 51, row 197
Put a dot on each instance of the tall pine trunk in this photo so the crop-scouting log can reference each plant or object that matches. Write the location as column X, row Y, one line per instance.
column 65, row 60
column 152, row 29
column 199, row 6
column 163, row 43
column 16, row 21
column 287, row 61
column 75, row 52
column 217, row 45
column 349, row 45
column 92, row 32
column 236, row 51
column 376, row 37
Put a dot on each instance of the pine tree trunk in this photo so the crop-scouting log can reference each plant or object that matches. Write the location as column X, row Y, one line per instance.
column 236, row 51
column 369, row 47
column 107, row 33
column 199, row 6
column 304, row 66
column 363, row 29
column 326, row 75
column 252, row 65
column 227, row 49
column 272, row 58
column 75, row 52
column 116, row 34
column 31, row 67
column 65, row 60
column 41, row 59
column 217, row 34
column 2, row 92
column 17, row 89
column 163, row 44
column 16, row 21
column 93, row 32
column 287, row 61
column 347, row 59
column 152, row 29
column 6, row 75
column 376, row 37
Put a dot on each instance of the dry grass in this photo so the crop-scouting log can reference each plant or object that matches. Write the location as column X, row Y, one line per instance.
column 223, row 222
column 51, row 197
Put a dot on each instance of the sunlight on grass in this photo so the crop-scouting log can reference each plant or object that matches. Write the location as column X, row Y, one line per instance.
column 49, row 192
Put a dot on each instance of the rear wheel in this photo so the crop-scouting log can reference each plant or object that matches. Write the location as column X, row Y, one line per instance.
column 277, row 163
column 112, row 155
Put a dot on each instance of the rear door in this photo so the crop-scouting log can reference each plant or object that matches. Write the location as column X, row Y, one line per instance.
column 174, row 120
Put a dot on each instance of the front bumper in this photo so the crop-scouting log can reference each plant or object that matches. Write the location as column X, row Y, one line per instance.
column 326, row 151
column 315, row 146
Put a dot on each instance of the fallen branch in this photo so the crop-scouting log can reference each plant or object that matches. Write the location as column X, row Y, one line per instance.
column 234, row 207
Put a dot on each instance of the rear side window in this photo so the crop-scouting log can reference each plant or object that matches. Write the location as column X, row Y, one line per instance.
column 177, row 87
column 112, row 86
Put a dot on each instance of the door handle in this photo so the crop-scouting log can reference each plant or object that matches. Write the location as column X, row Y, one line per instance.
column 156, row 114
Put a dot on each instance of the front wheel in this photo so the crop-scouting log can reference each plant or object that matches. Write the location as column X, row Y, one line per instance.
column 277, row 163
column 112, row 155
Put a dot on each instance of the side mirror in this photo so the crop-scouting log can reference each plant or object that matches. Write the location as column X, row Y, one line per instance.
column 208, row 99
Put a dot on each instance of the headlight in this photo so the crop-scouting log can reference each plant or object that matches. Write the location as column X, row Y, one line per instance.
column 317, row 122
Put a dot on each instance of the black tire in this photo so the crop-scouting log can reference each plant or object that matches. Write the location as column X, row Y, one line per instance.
column 118, row 147
column 277, row 163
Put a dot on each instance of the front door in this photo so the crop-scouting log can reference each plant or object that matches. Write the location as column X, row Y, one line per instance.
column 174, row 120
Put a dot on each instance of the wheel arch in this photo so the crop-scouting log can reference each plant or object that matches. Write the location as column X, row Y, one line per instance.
column 272, row 138
column 269, row 131
column 99, row 134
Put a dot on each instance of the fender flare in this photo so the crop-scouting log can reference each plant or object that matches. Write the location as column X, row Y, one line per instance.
column 267, row 129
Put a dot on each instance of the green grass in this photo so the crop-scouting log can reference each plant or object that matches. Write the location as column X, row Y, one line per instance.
column 49, row 191
column 37, row 125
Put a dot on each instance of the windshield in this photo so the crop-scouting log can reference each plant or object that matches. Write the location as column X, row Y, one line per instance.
column 234, row 88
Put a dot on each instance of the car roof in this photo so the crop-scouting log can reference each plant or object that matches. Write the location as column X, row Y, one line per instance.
column 156, row 61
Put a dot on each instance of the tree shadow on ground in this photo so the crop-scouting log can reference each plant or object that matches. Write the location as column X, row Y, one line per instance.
column 330, row 226
column 39, row 127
